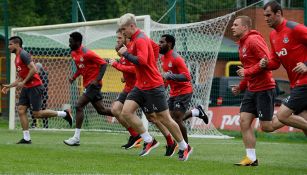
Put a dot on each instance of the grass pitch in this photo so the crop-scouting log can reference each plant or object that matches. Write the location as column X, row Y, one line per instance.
column 100, row 153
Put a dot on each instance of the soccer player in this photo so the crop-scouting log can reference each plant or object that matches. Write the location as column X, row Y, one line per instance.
column 43, row 75
column 289, row 48
column 31, row 92
column 92, row 69
column 149, row 92
column 259, row 86
column 128, row 70
column 177, row 75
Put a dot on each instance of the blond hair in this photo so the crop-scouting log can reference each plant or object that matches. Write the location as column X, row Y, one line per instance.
column 127, row 19
column 246, row 21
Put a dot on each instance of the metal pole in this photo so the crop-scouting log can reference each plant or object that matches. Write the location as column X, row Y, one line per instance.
column 74, row 11
column 172, row 14
column 7, row 53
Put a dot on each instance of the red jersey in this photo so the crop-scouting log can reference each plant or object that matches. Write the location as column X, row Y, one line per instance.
column 174, row 63
column 147, row 74
column 289, row 47
column 88, row 64
column 22, row 60
column 128, row 70
column 252, row 48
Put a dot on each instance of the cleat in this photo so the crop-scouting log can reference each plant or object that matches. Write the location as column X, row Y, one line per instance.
column 170, row 150
column 68, row 117
column 202, row 114
column 148, row 147
column 247, row 162
column 73, row 141
column 23, row 141
column 133, row 141
column 184, row 154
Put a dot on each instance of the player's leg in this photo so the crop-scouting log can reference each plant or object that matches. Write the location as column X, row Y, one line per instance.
column 265, row 110
column 134, row 98
column 117, row 106
column 248, row 112
column 171, row 145
column 292, row 106
column 35, row 98
column 178, row 106
column 197, row 111
column 75, row 140
column 157, row 99
column 23, row 105
column 286, row 116
column 304, row 115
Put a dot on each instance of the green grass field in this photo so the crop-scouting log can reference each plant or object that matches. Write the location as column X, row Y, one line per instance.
column 100, row 153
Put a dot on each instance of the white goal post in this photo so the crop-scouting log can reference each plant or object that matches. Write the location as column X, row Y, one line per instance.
column 198, row 43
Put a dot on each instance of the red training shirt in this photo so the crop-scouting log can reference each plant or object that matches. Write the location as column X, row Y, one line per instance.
column 88, row 65
column 22, row 60
column 174, row 63
column 289, row 47
column 252, row 48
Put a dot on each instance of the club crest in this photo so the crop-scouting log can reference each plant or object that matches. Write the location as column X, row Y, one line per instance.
column 285, row 40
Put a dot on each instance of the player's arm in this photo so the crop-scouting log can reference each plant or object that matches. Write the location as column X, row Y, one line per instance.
column 274, row 61
column 98, row 60
column 75, row 76
column 142, row 52
column 6, row 87
column 121, row 67
column 300, row 33
column 26, row 59
column 183, row 74
column 260, row 50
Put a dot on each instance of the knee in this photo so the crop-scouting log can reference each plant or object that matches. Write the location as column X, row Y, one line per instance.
column 36, row 114
column 22, row 110
column 79, row 108
column 266, row 129
column 115, row 112
column 244, row 123
column 281, row 117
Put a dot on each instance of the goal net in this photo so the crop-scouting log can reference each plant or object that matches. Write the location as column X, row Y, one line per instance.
column 198, row 43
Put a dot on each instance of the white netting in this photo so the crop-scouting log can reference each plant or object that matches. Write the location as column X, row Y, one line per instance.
column 198, row 43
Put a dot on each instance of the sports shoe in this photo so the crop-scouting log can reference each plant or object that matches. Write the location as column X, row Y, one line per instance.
column 247, row 162
column 184, row 154
column 73, row 141
column 132, row 142
column 170, row 150
column 68, row 117
column 23, row 141
column 202, row 114
column 148, row 147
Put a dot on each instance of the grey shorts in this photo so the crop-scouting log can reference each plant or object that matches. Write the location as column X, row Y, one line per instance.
column 153, row 100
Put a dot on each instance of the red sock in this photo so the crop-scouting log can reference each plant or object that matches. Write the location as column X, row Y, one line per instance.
column 169, row 139
column 132, row 132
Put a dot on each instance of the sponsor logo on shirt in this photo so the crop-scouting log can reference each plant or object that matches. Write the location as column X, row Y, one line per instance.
column 285, row 40
column 18, row 68
column 282, row 52
column 170, row 64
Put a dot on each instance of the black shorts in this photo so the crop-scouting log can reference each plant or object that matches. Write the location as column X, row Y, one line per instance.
column 153, row 100
column 261, row 104
column 122, row 97
column 180, row 103
column 297, row 101
column 31, row 97
column 93, row 92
